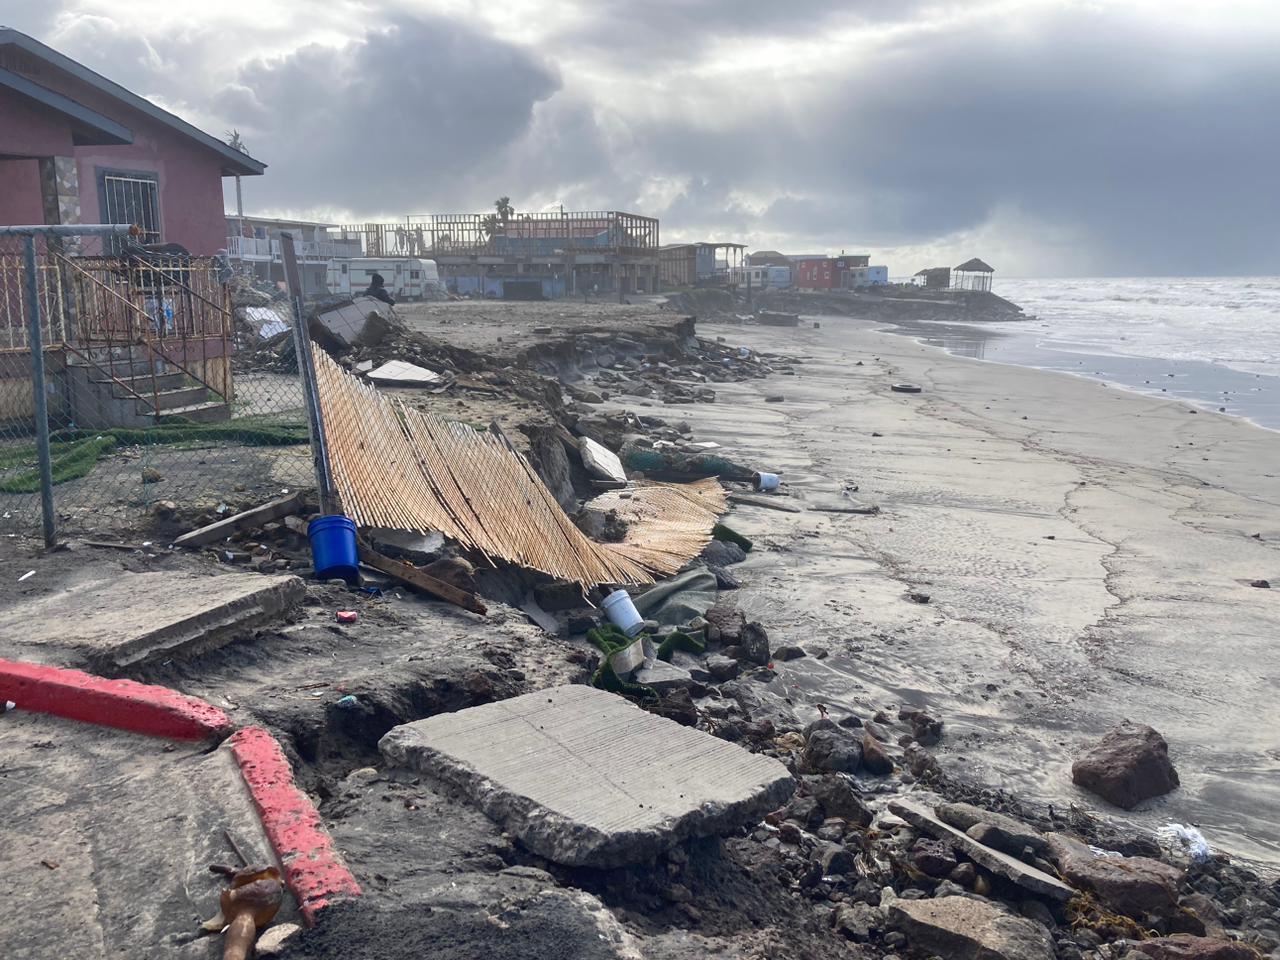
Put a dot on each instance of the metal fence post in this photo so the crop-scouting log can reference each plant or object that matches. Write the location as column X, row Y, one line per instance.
column 35, row 340
column 307, row 373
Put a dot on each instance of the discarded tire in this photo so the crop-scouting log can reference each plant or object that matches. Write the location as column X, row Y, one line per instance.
column 905, row 388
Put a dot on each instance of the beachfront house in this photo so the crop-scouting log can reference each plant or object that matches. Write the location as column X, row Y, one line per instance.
column 77, row 148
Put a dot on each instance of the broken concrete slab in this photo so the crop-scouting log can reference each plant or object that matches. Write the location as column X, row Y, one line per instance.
column 584, row 778
column 135, row 618
column 1138, row 887
column 663, row 676
column 600, row 461
column 363, row 322
column 398, row 373
column 1025, row 875
column 959, row 928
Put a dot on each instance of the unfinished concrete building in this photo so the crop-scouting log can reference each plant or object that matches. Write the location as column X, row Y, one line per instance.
column 527, row 256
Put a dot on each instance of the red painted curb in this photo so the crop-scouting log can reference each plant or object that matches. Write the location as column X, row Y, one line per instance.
column 313, row 871
column 125, row 704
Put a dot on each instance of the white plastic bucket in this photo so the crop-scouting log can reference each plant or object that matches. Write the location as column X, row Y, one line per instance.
column 766, row 481
column 622, row 613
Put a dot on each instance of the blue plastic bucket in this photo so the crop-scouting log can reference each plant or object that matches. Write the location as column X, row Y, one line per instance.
column 333, row 548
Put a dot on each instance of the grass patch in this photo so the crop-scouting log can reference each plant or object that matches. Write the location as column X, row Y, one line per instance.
column 76, row 452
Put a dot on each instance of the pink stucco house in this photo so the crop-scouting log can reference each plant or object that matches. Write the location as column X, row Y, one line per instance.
column 77, row 148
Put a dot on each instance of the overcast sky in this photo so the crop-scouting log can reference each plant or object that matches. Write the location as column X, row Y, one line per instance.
column 1050, row 137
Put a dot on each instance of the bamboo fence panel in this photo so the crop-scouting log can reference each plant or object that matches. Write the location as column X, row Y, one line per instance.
column 409, row 469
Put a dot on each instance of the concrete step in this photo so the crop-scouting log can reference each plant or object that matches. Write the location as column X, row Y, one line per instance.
column 143, row 384
column 213, row 411
column 166, row 400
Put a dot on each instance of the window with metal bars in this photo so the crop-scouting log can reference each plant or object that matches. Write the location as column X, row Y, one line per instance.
column 131, row 197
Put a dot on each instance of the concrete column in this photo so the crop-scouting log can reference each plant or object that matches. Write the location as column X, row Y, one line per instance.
column 60, row 190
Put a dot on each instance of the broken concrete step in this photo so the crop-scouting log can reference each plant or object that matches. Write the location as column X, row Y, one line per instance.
column 582, row 777
column 1026, row 876
column 138, row 618
column 959, row 928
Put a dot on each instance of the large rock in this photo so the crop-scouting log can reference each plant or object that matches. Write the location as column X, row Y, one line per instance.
column 959, row 928
column 725, row 623
column 1003, row 832
column 1025, row 875
column 584, row 778
column 1130, row 764
column 833, row 751
column 1135, row 886
column 1181, row 946
column 754, row 641
column 838, row 798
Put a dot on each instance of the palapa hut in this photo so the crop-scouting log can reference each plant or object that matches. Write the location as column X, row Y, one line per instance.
column 973, row 274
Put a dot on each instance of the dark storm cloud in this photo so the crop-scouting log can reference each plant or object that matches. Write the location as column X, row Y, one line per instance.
column 1150, row 138
column 405, row 120
column 1159, row 147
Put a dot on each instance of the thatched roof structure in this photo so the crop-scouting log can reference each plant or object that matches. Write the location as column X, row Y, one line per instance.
column 975, row 266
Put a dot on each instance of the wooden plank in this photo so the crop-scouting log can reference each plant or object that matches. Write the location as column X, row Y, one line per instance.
column 422, row 581
column 222, row 529
column 747, row 501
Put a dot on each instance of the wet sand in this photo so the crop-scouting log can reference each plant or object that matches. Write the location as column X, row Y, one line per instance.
column 1088, row 553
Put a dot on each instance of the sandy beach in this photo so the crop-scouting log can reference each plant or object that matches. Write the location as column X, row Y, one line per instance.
column 1088, row 554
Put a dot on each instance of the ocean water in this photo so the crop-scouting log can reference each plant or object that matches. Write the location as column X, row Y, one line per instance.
column 1209, row 341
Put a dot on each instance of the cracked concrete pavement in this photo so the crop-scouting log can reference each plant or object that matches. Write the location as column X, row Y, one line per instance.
column 1087, row 551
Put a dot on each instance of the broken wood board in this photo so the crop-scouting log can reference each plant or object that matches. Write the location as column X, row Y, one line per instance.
column 767, row 504
column 221, row 529
column 422, row 581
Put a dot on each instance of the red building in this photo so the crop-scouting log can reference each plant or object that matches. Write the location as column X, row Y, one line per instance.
column 826, row 273
column 77, row 148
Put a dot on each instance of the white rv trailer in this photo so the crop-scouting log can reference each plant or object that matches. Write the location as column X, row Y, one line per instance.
column 406, row 278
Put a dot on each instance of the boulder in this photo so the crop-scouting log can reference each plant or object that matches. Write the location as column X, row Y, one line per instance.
column 838, row 798
column 1138, row 887
column 1130, row 764
column 1181, row 946
column 874, row 756
column 788, row 652
column 925, row 729
column 933, row 858
column 725, row 623
column 857, row 920
column 722, row 668
column 754, row 640
column 836, row 861
column 1001, row 831
column 959, row 928
column 833, row 751
column 718, row 553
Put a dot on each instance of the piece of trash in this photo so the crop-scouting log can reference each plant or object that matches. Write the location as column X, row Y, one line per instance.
column 249, row 904
column 348, row 702
column 600, row 461
column 1099, row 852
column 622, row 613
column 9, row 705
column 1180, row 838
column 27, row 575
column 50, row 864
column 765, row 481
column 905, row 388
column 1264, row 584
column 744, row 353
column 918, row 597
column 347, row 616
column 398, row 372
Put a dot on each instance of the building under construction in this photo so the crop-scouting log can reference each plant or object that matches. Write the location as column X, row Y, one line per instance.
column 527, row 256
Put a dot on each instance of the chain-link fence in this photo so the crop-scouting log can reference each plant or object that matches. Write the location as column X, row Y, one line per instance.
column 165, row 379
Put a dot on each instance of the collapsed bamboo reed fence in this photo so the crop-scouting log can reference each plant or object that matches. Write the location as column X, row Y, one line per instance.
column 408, row 469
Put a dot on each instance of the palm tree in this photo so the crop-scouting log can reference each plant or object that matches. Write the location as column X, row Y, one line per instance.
column 505, row 210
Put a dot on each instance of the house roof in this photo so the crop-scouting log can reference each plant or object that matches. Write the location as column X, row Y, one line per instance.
column 928, row 270
column 234, row 162
column 975, row 266
column 90, row 128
